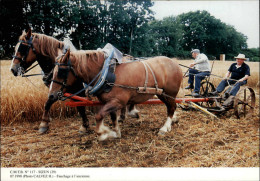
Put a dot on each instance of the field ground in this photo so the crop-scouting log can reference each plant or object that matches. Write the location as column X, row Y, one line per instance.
column 195, row 141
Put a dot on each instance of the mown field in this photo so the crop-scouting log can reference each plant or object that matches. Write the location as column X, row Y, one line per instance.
column 196, row 140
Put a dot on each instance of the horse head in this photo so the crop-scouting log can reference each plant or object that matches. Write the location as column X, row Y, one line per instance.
column 24, row 55
column 63, row 76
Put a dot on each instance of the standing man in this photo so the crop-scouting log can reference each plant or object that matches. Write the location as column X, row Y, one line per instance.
column 202, row 69
column 239, row 72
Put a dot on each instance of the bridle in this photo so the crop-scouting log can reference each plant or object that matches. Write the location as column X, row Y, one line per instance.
column 63, row 73
column 24, row 49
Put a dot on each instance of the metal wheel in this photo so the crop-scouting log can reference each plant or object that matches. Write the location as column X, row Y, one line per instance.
column 244, row 102
column 205, row 89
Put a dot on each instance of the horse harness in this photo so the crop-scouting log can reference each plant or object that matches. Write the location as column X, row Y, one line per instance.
column 149, row 90
column 24, row 49
column 63, row 73
column 103, row 79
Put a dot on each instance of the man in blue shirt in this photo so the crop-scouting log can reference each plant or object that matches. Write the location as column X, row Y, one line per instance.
column 239, row 72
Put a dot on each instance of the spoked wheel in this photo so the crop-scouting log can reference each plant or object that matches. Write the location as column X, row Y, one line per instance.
column 205, row 89
column 244, row 102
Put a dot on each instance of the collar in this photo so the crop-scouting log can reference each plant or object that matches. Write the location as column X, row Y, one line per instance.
column 238, row 66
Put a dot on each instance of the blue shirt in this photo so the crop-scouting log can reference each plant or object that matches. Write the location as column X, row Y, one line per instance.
column 238, row 73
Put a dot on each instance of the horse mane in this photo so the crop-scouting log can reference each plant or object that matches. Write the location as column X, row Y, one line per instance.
column 88, row 56
column 47, row 45
column 87, row 61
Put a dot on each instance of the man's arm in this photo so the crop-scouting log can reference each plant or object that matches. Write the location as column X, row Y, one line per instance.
column 244, row 78
column 227, row 75
column 202, row 58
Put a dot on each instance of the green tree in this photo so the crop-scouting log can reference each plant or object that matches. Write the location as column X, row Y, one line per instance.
column 167, row 35
column 252, row 53
column 47, row 16
column 12, row 22
column 210, row 35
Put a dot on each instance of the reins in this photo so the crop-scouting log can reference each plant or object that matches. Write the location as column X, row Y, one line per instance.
column 29, row 70
column 204, row 71
column 24, row 48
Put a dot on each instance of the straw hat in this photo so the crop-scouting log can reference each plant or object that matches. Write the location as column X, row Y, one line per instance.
column 241, row 56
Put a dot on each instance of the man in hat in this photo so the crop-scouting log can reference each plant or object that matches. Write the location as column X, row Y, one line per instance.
column 239, row 72
column 199, row 69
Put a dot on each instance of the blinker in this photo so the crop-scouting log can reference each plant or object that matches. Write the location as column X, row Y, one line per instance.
column 63, row 73
column 23, row 48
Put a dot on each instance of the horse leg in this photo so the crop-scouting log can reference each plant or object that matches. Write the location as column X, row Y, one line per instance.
column 44, row 126
column 171, row 117
column 133, row 112
column 116, row 127
column 122, row 115
column 103, row 131
column 85, row 123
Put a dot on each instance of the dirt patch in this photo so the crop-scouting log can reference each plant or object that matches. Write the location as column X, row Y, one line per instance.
column 196, row 141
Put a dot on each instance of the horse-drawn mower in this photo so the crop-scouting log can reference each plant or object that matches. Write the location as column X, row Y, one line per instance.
column 243, row 103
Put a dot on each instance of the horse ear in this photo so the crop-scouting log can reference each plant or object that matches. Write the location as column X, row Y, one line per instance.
column 67, row 56
column 28, row 33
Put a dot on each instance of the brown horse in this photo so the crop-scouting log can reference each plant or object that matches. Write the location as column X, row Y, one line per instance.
column 44, row 49
column 86, row 65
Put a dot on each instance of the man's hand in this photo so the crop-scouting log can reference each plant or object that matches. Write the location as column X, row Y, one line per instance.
column 192, row 65
column 241, row 80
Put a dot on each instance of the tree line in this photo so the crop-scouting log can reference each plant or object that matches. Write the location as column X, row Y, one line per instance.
column 129, row 25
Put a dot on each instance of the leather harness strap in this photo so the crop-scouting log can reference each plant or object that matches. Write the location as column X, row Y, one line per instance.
column 146, row 76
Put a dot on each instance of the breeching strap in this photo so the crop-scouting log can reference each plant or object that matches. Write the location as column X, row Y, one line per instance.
column 146, row 76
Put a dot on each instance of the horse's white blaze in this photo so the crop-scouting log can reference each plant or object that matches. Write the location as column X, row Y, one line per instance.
column 51, row 85
column 167, row 126
column 16, row 49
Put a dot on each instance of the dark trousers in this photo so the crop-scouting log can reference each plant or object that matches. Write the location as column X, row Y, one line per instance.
column 235, row 88
column 199, row 76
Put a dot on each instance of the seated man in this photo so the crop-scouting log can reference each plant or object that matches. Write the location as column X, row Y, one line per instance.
column 202, row 69
column 239, row 71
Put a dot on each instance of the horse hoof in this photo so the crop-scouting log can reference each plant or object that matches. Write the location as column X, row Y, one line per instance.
column 175, row 120
column 135, row 115
column 83, row 130
column 110, row 135
column 120, row 120
column 43, row 130
column 103, row 137
column 161, row 133
column 118, row 134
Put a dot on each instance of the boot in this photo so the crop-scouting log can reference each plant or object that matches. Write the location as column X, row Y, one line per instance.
column 215, row 93
column 229, row 102
column 195, row 94
column 190, row 86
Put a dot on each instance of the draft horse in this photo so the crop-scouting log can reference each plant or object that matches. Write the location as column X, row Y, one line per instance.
column 86, row 65
column 44, row 49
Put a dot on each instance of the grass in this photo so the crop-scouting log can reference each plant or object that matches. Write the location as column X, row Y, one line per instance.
column 26, row 96
column 22, row 99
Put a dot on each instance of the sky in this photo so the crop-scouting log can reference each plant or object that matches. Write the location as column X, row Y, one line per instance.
column 242, row 15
